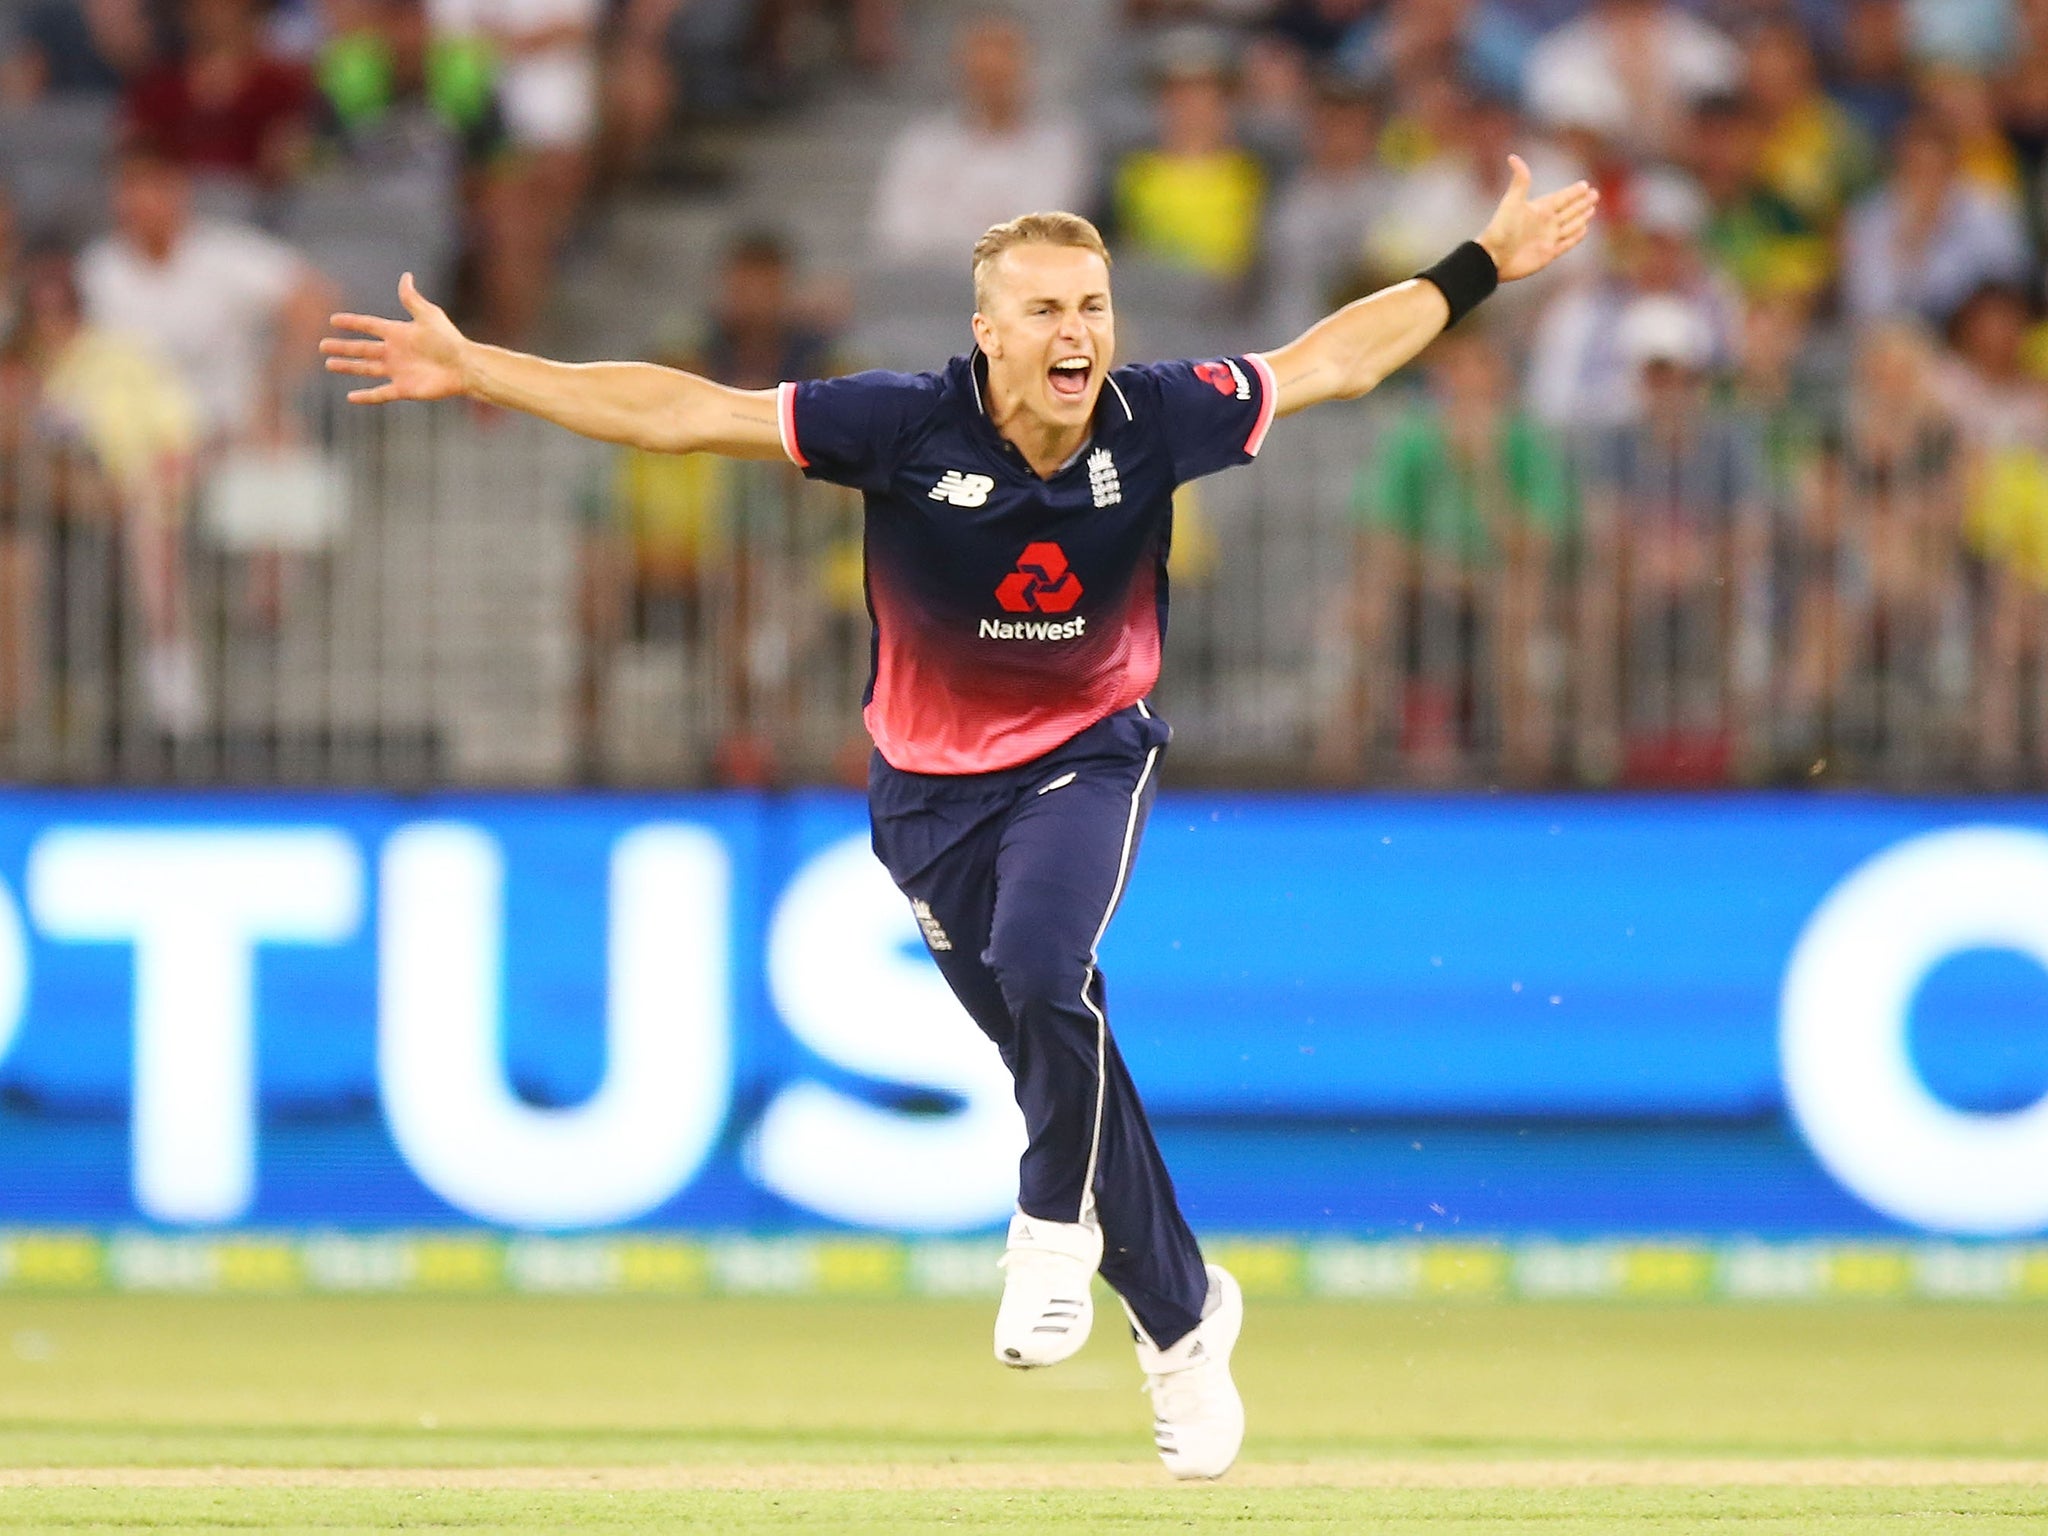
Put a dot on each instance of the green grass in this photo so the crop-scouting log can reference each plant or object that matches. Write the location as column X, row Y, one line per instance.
column 858, row 1391
column 1171, row 1509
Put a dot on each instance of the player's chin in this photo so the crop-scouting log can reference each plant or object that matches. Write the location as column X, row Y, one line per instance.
column 1070, row 410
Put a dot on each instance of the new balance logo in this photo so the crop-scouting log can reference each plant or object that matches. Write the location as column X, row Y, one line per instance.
column 1041, row 583
column 934, row 935
column 1102, row 479
column 963, row 490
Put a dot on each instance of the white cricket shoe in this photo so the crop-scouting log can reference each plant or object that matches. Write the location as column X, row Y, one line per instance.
column 1046, row 1311
column 1197, row 1416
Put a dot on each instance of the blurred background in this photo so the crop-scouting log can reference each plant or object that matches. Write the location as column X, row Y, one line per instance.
column 1597, row 853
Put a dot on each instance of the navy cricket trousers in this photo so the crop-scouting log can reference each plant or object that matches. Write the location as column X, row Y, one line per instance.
column 1017, row 874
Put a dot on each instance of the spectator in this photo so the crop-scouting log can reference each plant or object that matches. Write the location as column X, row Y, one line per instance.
column 760, row 334
column 10, row 263
column 1433, row 206
column 1867, row 566
column 410, row 153
column 139, row 427
column 393, row 101
column 1631, row 68
column 1316, row 29
column 690, row 552
column 1814, row 155
column 1874, row 78
column 1964, row 105
column 2001, row 414
column 1970, row 34
column 223, row 107
column 1926, row 239
column 948, row 178
column 640, row 84
column 1483, row 42
column 1315, row 237
column 1758, row 238
column 1677, row 539
column 2023, row 111
column 78, row 48
column 1786, row 378
column 547, row 89
column 1579, row 376
column 1195, row 200
column 1466, row 506
column 235, row 313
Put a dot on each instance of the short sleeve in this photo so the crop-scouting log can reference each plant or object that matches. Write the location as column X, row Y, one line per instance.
column 1214, row 414
column 259, row 267
column 853, row 431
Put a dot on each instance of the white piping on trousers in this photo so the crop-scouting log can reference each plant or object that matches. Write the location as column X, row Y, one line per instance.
column 1123, row 870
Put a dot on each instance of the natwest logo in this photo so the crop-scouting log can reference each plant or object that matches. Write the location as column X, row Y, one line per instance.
column 1041, row 583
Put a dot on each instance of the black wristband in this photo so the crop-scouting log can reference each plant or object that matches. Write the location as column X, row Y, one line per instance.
column 1465, row 278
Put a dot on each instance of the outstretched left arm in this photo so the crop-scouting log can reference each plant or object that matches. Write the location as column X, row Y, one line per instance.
column 1346, row 354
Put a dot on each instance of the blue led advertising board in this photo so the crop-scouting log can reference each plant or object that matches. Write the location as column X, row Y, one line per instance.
column 1766, row 1015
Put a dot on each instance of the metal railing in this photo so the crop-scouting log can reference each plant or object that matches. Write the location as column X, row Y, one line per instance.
column 434, row 595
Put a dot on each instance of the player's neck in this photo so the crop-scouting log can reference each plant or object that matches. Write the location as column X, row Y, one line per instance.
column 1047, row 446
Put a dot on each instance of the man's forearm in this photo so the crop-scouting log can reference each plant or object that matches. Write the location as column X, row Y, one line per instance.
column 1346, row 354
column 641, row 405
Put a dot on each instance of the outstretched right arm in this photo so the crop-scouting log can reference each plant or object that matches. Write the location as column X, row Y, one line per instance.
column 639, row 404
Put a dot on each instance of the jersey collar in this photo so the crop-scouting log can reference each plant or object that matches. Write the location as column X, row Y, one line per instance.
column 1105, row 416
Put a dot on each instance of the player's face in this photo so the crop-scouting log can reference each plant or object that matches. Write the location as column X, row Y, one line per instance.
column 1047, row 331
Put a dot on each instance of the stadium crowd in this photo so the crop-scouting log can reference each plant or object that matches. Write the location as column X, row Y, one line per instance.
column 1755, row 487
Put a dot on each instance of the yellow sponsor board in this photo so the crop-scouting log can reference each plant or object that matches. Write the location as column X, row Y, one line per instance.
column 259, row 1264
column 668, row 1265
column 1666, row 1270
column 2034, row 1274
column 1869, row 1273
column 1477, row 1270
column 457, row 1263
column 53, row 1260
column 853, row 1267
column 1263, row 1269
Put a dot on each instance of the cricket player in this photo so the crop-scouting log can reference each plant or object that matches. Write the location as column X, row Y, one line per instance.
column 1018, row 513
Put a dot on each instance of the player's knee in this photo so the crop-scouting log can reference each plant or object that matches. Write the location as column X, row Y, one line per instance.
column 1035, row 975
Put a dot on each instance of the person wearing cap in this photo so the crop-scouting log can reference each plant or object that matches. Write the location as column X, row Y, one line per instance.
column 1629, row 69
column 1677, row 538
column 1578, row 377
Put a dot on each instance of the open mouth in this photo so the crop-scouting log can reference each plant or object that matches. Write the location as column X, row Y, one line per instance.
column 1069, row 377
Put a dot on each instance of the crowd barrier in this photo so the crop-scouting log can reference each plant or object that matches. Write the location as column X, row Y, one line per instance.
column 423, row 596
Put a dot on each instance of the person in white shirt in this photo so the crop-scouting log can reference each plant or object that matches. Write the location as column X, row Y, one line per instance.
column 949, row 176
column 234, row 314
column 1630, row 69
column 233, row 310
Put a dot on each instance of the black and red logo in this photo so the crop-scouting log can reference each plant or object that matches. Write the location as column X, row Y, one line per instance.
column 1226, row 378
column 1041, row 583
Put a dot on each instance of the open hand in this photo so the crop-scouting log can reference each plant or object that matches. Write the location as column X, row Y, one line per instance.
column 420, row 358
column 1526, row 235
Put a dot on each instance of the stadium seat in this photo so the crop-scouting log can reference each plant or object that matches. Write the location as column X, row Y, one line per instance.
column 52, row 157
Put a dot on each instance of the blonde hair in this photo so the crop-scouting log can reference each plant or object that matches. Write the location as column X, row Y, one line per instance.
column 1068, row 229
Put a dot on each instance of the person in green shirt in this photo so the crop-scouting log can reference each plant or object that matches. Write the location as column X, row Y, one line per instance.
column 1463, row 509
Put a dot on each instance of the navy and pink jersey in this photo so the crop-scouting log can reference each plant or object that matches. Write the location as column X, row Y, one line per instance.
column 1012, row 612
